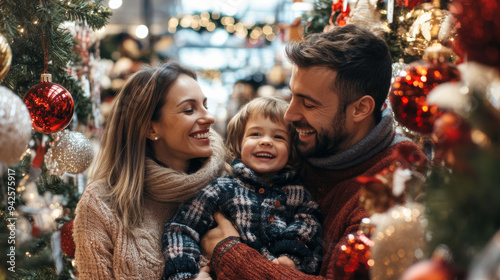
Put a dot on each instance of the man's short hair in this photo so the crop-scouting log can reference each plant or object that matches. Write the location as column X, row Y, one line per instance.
column 360, row 58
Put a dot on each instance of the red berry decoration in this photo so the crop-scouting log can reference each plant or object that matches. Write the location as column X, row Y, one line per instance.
column 50, row 105
column 409, row 93
column 67, row 243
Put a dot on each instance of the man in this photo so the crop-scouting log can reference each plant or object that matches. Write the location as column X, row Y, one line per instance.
column 339, row 84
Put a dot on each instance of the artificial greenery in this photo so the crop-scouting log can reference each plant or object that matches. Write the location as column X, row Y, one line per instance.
column 30, row 28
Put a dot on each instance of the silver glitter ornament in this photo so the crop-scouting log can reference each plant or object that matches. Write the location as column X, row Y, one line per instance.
column 399, row 241
column 398, row 69
column 15, row 126
column 70, row 152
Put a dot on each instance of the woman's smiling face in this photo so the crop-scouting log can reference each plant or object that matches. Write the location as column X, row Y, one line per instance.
column 183, row 128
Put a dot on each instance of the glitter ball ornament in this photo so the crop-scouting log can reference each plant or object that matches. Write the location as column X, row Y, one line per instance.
column 356, row 251
column 67, row 243
column 409, row 91
column 399, row 241
column 15, row 125
column 70, row 152
column 5, row 57
column 50, row 105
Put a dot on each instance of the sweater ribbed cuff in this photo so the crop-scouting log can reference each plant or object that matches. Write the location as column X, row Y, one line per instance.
column 222, row 247
column 290, row 247
column 180, row 268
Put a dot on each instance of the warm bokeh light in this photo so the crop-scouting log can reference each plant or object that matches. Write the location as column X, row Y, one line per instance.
column 115, row 4
column 141, row 31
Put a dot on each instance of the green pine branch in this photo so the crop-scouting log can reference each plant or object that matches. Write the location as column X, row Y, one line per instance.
column 25, row 24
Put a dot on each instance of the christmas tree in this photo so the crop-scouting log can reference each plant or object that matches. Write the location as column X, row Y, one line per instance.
column 439, row 220
column 48, row 38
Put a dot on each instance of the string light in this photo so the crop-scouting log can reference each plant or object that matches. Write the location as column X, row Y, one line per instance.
column 266, row 31
column 211, row 26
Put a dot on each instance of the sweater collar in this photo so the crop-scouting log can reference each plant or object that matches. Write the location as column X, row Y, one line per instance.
column 165, row 184
column 247, row 176
column 377, row 140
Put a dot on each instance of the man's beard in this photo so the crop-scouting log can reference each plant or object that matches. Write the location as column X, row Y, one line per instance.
column 327, row 143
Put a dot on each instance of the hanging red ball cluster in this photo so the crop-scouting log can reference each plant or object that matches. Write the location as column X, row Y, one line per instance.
column 409, row 92
column 50, row 105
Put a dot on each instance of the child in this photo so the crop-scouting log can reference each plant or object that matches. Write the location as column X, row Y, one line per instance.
column 263, row 197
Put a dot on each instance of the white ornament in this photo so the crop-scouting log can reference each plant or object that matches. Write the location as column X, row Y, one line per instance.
column 15, row 126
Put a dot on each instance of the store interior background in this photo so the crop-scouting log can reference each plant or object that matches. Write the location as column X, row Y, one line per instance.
column 224, row 41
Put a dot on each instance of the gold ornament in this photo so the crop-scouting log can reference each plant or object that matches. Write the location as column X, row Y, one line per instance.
column 399, row 241
column 5, row 57
column 432, row 25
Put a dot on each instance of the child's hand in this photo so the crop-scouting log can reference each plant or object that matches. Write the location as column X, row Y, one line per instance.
column 204, row 274
column 284, row 261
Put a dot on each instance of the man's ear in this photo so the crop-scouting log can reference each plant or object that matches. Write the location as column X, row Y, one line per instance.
column 363, row 108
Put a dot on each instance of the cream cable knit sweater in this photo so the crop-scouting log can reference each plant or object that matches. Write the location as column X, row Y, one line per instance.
column 105, row 251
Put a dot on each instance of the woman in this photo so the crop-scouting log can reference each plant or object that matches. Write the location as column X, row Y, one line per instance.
column 157, row 151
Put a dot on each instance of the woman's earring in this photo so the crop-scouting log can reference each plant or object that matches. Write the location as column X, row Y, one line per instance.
column 156, row 138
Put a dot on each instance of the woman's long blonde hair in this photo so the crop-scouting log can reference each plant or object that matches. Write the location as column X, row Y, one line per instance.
column 124, row 146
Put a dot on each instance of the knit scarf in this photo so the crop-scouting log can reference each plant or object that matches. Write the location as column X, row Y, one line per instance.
column 165, row 184
column 377, row 140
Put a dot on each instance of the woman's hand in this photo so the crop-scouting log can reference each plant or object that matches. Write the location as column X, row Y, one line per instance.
column 204, row 274
column 284, row 261
column 223, row 230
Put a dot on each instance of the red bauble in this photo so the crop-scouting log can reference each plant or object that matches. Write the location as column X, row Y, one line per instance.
column 50, row 105
column 478, row 30
column 453, row 139
column 428, row 270
column 409, row 93
column 451, row 130
column 67, row 243
column 355, row 250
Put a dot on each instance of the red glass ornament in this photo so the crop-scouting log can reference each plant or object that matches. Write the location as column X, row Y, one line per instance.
column 453, row 139
column 356, row 250
column 409, row 93
column 50, row 105
column 451, row 130
column 478, row 30
column 67, row 244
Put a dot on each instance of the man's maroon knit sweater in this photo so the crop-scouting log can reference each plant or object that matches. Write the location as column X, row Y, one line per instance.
column 337, row 192
column 332, row 182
